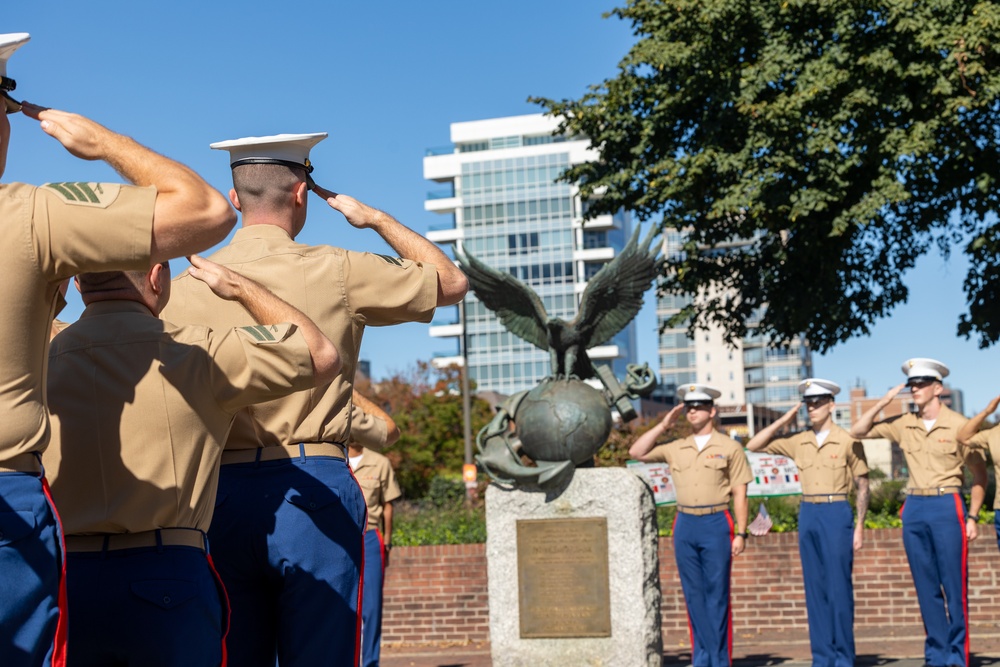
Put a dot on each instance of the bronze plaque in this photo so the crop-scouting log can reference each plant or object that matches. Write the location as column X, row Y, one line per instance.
column 562, row 578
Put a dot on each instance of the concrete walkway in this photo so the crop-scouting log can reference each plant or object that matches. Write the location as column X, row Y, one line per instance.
column 901, row 646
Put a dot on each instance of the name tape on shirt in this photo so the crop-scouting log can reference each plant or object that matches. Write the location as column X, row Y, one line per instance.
column 98, row 195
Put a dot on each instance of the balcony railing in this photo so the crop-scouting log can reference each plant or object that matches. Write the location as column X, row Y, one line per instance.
column 439, row 150
column 441, row 194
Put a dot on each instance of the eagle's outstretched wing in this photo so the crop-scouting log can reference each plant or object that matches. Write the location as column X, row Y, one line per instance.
column 613, row 297
column 518, row 307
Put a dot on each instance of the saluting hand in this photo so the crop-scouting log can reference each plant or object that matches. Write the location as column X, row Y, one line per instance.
column 671, row 417
column 992, row 405
column 359, row 215
column 81, row 136
column 891, row 394
column 224, row 282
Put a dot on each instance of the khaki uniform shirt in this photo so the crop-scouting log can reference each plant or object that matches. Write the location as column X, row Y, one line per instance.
column 378, row 482
column 823, row 470
column 341, row 291
column 707, row 477
column 368, row 430
column 51, row 233
column 141, row 409
column 934, row 458
column 988, row 440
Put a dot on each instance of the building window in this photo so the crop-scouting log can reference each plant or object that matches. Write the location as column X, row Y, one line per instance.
column 590, row 269
column 592, row 239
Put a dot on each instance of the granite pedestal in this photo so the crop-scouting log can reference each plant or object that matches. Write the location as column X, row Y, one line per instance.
column 626, row 503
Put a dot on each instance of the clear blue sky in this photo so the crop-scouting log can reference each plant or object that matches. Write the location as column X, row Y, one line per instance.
column 385, row 79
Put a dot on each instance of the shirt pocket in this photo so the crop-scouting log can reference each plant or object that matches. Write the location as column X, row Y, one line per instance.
column 944, row 455
column 835, row 462
column 806, row 459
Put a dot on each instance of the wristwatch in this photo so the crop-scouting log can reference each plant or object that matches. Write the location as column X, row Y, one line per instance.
column 743, row 535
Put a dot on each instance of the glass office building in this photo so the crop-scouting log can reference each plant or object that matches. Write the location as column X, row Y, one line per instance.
column 503, row 202
column 750, row 372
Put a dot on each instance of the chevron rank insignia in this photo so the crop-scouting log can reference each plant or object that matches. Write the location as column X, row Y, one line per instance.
column 389, row 259
column 268, row 333
column 99, row 195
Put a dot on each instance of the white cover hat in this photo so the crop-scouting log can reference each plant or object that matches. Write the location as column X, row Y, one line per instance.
column 287, row 149
column 698, row 392
column 921, row 367
column 9, row 43
column 818, row 387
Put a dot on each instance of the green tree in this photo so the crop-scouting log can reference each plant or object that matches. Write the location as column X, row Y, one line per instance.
column 614, row 453
column 842, row 139
column 426, row 405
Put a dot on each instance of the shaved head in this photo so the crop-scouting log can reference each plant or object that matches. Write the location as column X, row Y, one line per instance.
column 266, row 188
column 124, row 285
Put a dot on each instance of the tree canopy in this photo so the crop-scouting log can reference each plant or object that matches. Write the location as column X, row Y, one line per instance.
column 839, row 139
column 427, row 408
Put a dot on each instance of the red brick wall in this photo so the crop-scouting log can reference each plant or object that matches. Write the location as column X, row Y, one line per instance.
column 438, row 594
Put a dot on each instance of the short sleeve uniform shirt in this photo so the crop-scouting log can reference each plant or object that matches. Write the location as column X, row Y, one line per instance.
column 141, row 409
column 823, row 470
column 378, row 483
column 704, row 478
column 989, row 441
column 934, row 457
column 341, row 291
column 51, row 233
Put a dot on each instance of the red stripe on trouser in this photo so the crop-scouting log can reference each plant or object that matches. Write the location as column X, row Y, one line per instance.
column 225, row 601
column 960, row 511
column 361, row 578
column 729, row 600
column 62, row 630
column 673, row 531
column 381, row 547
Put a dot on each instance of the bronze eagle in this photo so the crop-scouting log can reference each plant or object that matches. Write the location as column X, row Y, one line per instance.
column 612, row 298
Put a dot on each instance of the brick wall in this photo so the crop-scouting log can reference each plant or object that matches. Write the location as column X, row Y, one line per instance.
column 438, row 594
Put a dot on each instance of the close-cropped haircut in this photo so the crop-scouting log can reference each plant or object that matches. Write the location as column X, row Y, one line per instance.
column 108, row 282
column 265, row 187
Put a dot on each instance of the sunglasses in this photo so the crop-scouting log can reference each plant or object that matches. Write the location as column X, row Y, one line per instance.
column 920, row 383
column 815, row 401
column 697, row 405
column 6, row 85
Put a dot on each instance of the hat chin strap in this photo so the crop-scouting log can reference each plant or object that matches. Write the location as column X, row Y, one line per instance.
column 12, row 105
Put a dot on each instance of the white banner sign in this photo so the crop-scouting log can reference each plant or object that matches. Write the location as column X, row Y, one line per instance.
column 772, row 476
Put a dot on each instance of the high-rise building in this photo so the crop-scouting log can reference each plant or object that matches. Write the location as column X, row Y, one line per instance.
column 504, row 203
column 750, row 372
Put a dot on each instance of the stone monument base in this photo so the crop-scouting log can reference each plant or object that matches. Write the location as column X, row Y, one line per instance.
column 584, row 621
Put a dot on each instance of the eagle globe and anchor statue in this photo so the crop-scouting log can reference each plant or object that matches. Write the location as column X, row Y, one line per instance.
column 562, row 422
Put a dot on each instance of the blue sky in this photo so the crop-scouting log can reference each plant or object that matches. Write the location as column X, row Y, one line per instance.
column 385, row 79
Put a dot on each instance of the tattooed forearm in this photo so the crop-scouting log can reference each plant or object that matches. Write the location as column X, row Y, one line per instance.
column 862, row 501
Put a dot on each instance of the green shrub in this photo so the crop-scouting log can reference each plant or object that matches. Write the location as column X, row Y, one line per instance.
column 445, row 492
column 422, row 524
